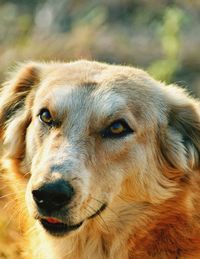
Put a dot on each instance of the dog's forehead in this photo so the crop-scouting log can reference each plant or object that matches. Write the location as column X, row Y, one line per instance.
column 90, row 97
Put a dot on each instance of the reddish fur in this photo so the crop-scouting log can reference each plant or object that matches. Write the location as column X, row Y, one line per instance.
column 170, row 230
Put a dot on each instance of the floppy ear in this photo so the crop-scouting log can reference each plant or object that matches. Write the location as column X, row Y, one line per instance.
column 15, row 116
column 180, row 137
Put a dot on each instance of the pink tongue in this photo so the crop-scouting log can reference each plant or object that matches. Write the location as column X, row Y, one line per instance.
column 53, row 221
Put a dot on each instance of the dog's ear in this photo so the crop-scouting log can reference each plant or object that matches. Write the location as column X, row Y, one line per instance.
column 15, row 91
column 180, row 136
column 15, row 97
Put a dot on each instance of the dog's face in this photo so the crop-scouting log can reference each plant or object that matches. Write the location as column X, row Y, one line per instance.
column 90, row 134
column 80, row 139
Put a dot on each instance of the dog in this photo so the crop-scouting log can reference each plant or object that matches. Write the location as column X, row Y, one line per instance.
column 104, row 161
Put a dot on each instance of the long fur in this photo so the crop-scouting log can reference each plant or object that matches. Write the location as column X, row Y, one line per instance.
column 150, row 179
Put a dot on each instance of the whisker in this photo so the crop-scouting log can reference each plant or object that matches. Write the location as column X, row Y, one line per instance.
column 15, row 214
column 21, row 216
column 100, row 216
column 6, row 195
column 26, row 174
column 101, row 223
column 8, row 203
column 106, row 207
column 30, row 230
column 10, row 194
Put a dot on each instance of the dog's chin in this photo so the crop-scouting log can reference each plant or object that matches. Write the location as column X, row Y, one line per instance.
column 57, row 228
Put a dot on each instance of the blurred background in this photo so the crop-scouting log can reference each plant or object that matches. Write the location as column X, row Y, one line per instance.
column 160, row 36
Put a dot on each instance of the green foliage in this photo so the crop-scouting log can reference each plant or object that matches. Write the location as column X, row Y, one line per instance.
column 164, row 68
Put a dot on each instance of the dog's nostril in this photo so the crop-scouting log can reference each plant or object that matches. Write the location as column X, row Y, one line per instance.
column 54, row 195
column 38, row 196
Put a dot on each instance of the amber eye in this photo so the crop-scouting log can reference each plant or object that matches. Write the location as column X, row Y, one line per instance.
column 117, row 129
column 45, row 116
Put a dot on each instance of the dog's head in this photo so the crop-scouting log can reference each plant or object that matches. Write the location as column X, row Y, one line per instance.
column 90, row 134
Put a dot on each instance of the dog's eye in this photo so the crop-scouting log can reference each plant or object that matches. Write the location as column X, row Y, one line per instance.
column 45, row 116
column 117, row 129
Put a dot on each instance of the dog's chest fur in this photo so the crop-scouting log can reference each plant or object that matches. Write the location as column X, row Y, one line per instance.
column 85, row 246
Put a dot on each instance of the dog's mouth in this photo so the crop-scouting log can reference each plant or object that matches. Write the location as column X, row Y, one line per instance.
column 56, row 227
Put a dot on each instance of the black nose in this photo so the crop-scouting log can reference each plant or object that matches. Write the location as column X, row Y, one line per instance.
column 53, row 196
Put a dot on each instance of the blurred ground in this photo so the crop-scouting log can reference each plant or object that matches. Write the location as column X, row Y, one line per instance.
column 162, row 37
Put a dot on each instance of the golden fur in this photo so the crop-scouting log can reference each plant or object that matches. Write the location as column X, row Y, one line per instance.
column 149, row 179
